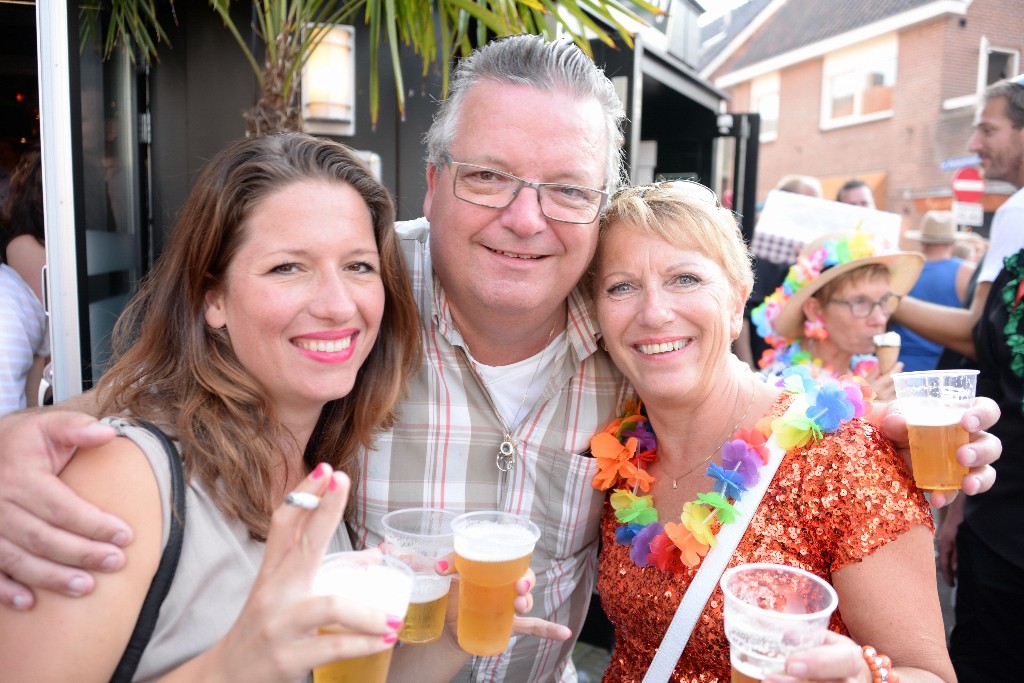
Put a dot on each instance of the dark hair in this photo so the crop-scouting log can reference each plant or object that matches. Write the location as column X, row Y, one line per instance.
column 173, row 369
column 24, row 210
column 851, row 184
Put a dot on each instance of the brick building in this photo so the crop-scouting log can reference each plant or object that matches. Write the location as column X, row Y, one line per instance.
column 882, row 90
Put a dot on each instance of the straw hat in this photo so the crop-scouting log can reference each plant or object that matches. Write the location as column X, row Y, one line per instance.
column 780, row 319
column 937, row 227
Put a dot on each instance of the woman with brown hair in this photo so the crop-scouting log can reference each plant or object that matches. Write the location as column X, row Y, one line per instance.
column 251, row 344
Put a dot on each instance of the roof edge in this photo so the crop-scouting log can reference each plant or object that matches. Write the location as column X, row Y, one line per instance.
column 888, row 25
column 741, row 37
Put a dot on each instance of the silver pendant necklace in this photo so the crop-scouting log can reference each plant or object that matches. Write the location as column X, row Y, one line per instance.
column 676, row 478
column 505, row 460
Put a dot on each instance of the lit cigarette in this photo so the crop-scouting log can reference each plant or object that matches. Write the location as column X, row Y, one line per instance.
column 306, row 501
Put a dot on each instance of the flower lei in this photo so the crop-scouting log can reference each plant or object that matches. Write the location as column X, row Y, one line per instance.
column 807, row 268
column 1012, row 294
column 628, row 445
column 793, row 354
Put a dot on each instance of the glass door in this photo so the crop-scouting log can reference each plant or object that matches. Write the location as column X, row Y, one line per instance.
column 97, row 237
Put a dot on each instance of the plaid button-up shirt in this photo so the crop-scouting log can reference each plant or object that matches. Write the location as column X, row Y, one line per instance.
column 441, row 453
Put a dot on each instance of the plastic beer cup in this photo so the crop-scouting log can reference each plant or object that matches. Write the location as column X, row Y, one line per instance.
column 420, row 537
column 371, row 579
column 933, row 402
column 772, row 611
column 492, row 552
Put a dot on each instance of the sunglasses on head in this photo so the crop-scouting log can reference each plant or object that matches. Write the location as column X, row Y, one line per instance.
column 690, row 189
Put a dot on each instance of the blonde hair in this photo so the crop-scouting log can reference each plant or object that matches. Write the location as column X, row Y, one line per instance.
column 800, row 184
column 685, row 222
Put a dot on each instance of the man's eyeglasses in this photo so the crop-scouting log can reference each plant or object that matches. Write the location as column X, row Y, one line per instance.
column 688, row 188
column 862, row 308
column 495, row 189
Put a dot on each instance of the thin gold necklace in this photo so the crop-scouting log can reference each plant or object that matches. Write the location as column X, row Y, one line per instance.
column 676, row 478
column 505, row 459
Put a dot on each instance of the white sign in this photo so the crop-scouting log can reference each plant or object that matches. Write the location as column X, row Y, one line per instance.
column 801, row 219
column 972, row 213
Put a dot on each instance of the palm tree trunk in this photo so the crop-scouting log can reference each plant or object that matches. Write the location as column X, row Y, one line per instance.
column 275, row 111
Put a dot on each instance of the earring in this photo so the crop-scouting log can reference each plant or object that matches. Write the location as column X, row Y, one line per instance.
column 815, row 329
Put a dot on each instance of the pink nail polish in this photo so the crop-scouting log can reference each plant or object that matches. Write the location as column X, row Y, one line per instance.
column 528, row 585
column 394, row 623
column 391, row 638
column 442, row 565
column 319, row 470
column 332, row 484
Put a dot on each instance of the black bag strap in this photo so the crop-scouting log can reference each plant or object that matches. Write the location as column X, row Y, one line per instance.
column 165, row 571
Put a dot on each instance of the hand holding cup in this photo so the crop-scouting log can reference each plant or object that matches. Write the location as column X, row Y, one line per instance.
column 772, row 611
column 492, row 552
column 420, row 537
column 933, row 403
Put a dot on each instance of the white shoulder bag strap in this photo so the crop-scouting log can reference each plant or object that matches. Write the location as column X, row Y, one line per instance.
column 710, row 572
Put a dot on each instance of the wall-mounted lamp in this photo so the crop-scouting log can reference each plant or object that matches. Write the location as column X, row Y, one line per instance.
column 328, row 84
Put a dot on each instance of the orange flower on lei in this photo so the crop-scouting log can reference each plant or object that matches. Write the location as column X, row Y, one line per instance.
column 618, row 460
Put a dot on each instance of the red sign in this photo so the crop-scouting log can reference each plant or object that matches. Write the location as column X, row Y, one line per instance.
column 968, row 187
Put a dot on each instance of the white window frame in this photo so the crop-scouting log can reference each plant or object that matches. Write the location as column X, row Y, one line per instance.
column 855, row 60
column 765, row 98
column 984, row 52
column 985, row 48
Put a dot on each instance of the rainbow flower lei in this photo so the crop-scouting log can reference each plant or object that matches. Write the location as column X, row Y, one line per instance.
column 808, row 267
column 627, row 445
column 790, row 355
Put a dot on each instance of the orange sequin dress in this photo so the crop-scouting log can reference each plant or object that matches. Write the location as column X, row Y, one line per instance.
column 830, row 504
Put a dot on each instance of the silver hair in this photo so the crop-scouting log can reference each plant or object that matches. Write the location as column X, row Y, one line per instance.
column 1013, row 91
column 532, row 61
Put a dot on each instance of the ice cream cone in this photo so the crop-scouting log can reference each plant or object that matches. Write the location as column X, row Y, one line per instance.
column 887, row 349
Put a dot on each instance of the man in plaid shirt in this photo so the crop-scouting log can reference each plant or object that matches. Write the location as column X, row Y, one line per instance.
column 510, row 345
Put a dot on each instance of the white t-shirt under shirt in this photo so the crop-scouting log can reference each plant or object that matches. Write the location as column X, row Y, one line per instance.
column 1005, row 236
column 516, row 388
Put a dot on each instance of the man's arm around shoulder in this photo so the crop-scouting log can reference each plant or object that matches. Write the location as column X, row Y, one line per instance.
column 48, row 534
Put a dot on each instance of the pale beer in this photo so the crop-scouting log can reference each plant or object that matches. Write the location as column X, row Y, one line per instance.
column 420, row 537
column 424, row 622
column 933, row 402
column 369, row 579
column 935, row 436
column 490, row 557
column 357, row 670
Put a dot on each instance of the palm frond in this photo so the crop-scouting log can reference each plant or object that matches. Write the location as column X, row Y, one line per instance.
column 436, row 31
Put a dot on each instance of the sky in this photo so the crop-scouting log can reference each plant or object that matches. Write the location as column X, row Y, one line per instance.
column 716, row 7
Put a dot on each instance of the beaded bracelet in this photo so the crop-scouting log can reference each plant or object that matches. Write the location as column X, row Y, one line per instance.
column 880, row 665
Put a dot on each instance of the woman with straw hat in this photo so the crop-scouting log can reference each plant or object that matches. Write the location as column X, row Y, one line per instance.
column 833, row 303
